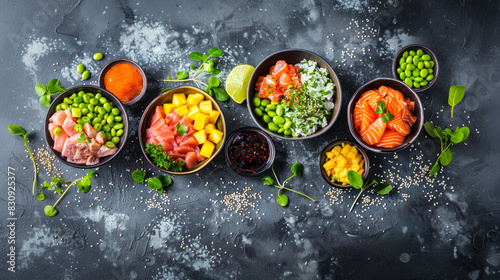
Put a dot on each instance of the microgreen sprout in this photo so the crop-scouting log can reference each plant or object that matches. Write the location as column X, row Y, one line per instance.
column 356, row 182
column 45, row 91
column 17, row 130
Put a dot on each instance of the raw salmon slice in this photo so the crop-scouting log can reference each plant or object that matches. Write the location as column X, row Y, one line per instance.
column 371, row 97
column 374, row 132
column 279, row 69
column 190, row 160
column 58, row 118
column 364, row 116
column 390, row 139
column 399, row 125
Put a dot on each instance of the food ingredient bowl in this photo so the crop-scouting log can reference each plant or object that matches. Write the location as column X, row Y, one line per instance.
column 123, row 76
column 250, row 151
column 416, row 47
column 87, row 89
column 323, row 159
column 407, row 93
column 293, row 56
column 167, row 97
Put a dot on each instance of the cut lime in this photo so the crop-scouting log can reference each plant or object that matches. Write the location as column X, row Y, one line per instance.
column 237, row 82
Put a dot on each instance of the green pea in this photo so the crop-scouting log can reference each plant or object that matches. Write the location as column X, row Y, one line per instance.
column 272, row 126
column 287, row 124
column 427, row 64
column 94, row 101
column 98, row 95
column 288, row 132
column 419, row 79
column 429, row 77
column 119, row 132
column 412, row 53
column 119, row 119
column 90, row 114
column 103, row 122
column 281, row 130
column 78, row 127
column 86, row 98
column 405, row 54
column 426, row 57
column 98, row 56
column 101, row 110
column 110, row 119
column 90, row 107
column 116, row 140
column 410, row 66
column 423, row 73
column 420, row 65
column 256, row 101
column 80, row 68
column 113, row 132
column 78, row 100
column 258, row 112
column 90, row 94
column 107, row 107
column 272, row 114
column 58, row 107
column 103, row 100
column 279, row 110
column 64, row 106
column 57, row 131
column 118, row 126
column 403, row 66
column 408, row 72
column 85, row 75
column 424, row 83
column 85, row 111
column 402, row 76
column 68, row 100
column 416, row 60
column 401, row 60
column 409, row 59
column 409, row 82
column 266, row 118
column 430, row 71
column 115, row 111
column 97, row 127
column 106, row 128
column 265, row 102
column 432, row 64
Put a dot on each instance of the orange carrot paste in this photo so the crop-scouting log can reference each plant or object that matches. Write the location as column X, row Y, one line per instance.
column 124, row 81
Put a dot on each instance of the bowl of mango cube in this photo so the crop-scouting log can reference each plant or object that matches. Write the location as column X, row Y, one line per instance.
column 338, row 158
column 188, row 125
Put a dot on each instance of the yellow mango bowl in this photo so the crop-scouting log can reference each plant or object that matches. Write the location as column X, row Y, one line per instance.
column 171, row 97
column 339, row 157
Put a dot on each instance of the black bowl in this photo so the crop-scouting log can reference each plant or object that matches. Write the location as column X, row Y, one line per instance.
column 293, row 56
column 322, row 160
column 415, row 47
column 407, row 92
column 91, row 89
column 130, row 62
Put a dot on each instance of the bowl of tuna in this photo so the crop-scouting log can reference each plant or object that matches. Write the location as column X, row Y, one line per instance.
column 86, row 126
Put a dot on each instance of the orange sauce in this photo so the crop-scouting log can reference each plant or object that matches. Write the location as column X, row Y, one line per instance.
column 124, row 81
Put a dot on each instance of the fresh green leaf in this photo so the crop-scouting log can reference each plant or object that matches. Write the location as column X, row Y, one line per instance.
column 268, row 180
column 53, row 85
column 220, row 94
column 456, row 137
column 46, row 185
column 40, row 196
column 50, row 211
column 465, row 131
column 181, row 75
column 215, row 52
column 196, row 56
column 438, row 131
column 213, row 81
column 160, row 190
column 84, row 184
column 165, row 90
column 446, row 157
column 192, row 67
column 81, row 138
column 181, row 129
column 435, row 169
column 45, row 100
column 354, row 179
column 383, row 188
column 138, row 176
column 456, row 95
column 165, row 180
column 216, row 71
column 61, row 90
column 58, row 190
column 16, row 130
column 40, row 89
column 91, row 174
column 297, row 168
column 154, row 183
column 381, row 107
column 429, row 128
column 387, row 117
column 282, row 200
column 207, row 67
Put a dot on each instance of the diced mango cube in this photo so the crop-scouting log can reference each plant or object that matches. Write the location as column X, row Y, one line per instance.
column 182, row 110
column 207, row 149
column 201, row 136
column 206, row 107
column 343, row 173
column 179, row 99
column 168, row 107
column 355, row 167
column 199, row 121
column 193, row 112
column 341, row 161
column 361, row 171
column 352, row 153
column 209, row 128
column 214, row 115
column 361, row 162
column 329, row 165
column 336, row 150
column 329, row 154
column 357, row 158
column 194, row 99
column 345, row 149
column 216, row 136
column 328, row 173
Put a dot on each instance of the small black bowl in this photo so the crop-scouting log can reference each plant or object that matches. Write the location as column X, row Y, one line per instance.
column 322, row 160
column 415, row 47
column 130, row 62
column 407, row 93
column 94, row 90
column 270, row 144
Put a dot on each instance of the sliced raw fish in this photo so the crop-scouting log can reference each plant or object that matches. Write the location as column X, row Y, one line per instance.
column 59, row 142
column 69, row 149
column 58, row 117
column 373, row 134
column 68, row 126
column 105, row 151
column 391, row 139
column 92, row 160
column 89, row 130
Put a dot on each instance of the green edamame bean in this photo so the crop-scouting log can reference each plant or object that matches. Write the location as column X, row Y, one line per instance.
column 403, row 66
column 106, row 128
column 405, row 54
column 68, row 100
column 85, row 75
column 419, row 79
column 116, row 140
column 409, row 59
column 429, row 77
column 416, row 84
column 271, row 107
column 119, row 132
column 110, row 119
column 101, row 110
column 58, row 107
column 401, row 60
column 80, row 68
column 73, row 96
column 423, row 73
column 272, row 114
column 98, row 95
column 94, row 101
column 412, row 53
column 280, row 125
column 287, row 124
column 107, row 107
column 81, row 93
column 265, row 102
column 415, row 73
column 432, row 64
column 278, row 120
column 78, row 100
column 427, row 64
column 90, row 94
column 409, row 82
column 258, row 112
column 416, row 60
column 98, row 56
column 78, row 127
column 399, row 70
column 64, row 106
column 424, row 83
column 256, row 101
column 430, row 71
column 103, row 100
column 115, row 111
column 272, row 126
column 82, row 105
column 118, row 126
column 266, row 118
column 408, row 72
column 86, row 98
column 288, row 132
column 281, row 130
column 103, row 122
column 119, row 119
column 402, row 76
column 410, row 66
column 108, row 135
column 279, row 110
column 97, row 127
column 113, row 132
column 426, row 57
column 420, row 65
column 85, row 111
column 90, row 107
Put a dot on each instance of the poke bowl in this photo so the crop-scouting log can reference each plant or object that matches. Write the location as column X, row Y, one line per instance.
column 86, row 126
column 370, row 110
column 294, row 94
column 189, row 126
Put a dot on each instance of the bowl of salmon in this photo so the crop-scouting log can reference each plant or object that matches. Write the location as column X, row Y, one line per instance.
column 385, row 115
column 86, row 126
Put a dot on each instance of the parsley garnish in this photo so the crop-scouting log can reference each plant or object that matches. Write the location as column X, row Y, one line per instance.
column 161, row 159
column 181, row 129
column 81, row 139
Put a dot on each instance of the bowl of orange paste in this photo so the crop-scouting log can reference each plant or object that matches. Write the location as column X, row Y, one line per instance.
column 125, row 79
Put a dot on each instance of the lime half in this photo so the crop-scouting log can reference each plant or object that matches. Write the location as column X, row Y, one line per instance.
column 237, row 82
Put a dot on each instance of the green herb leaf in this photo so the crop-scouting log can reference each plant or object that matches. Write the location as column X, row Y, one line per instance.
column 45, row 185
column 161, row 159
column 381, row 107
column 220, row 94
column 58, row 190
column 50, row 211
column 181, row 75
column 40, row 89
column 213, row 81
column 16, row 130
column 465, row 131
column 215, row 52
column 81, row 139
column 138, row 176
column 40, row 196
column 196, row 56
column 429, row 128
column 192, row 67
column 438, row 131
column 207, row 67
column 216, row 71
column 446, row 157
column 268, row 180
column 387, row 117
column 165, row 90
column 45, row 100
column 354, row 179
column 154, row 183
column 297, row 168
column 435, row 169
column 160, row 191
column 383, row 188
column 91, row 174
column 456, row 137
column 282, row 200
column 53, row 85
column 165, row 180
column 84, row 184
column 456, row 95
column 181, row 129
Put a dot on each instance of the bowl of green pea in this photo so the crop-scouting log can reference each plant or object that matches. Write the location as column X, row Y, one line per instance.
column 87, row 105
column 417, row 66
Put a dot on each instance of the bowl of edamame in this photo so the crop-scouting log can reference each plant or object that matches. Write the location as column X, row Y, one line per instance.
column 417, row 66
column 87, row 115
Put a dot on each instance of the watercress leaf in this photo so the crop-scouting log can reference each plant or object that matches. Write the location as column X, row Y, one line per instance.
column 50, row 211
column 209, row 91
column 192, row 67
column 220, row 94
column 40, row 196
column 465, row 131
column 138, row 176
column 45, row 185
column 435, row 169
column 354, row 179
column 154, row 183
column 207, row 67
column 208, row 88
column 53, row 85
column 297, row 168
column 165, row 89
column 381, row 107
column 204, row 57
column 181, row 75
column 84, row 185
column 40, row 89
column 446, row 157
column 165, row 180
column 457, row 137
column 91, row 174
column 45, row 100
column 387, row 117
column 196, row 56
column 429, row 128
column 439, row 132
column 448, row 131
column 181, row 129
column 367, row 185
column 58, row 190
column 216, row 71
column 160, row 190
column 282, row 200
column 383, row 188
column 16, row 130
column 61, row 90
column 215, row 52
column 211, row 62
column 268, row 180
column 213, row 81
column 456, row 95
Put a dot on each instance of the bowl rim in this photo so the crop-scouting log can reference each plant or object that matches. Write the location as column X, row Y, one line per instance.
column 428, row 51
column 62, row 96
column 133, row 63
column 338, row 91
column 354, row 133
column 150, row 106
column 358, row 147
column 270, row 143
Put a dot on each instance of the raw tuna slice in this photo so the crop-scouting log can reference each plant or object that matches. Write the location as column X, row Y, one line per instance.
column 69, row 149
column 100, row 138
column 59, row 142
column 77, row 161
column 89, row 130
column 93, row 146
column 82, row 151
column 74, row 138
column 51, row 129
column 92, row 160
column 191, row 160
column 105, row 151
column 151, row 141
column 68, row 126
column 58, row 118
